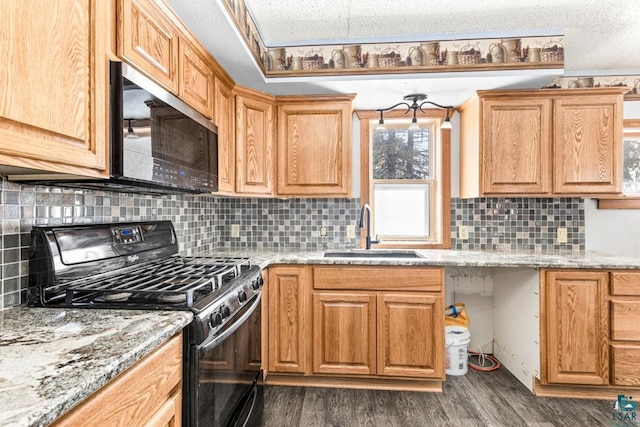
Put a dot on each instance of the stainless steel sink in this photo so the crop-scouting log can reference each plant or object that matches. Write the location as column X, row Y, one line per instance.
column 372, row 254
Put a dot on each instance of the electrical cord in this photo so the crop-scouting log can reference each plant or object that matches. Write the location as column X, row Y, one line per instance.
column 485, row 362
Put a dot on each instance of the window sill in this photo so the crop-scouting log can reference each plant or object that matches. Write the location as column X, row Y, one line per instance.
column 410, row 245
column 622, row 202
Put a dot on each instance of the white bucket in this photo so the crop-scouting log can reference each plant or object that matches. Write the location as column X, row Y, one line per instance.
column 457, row 340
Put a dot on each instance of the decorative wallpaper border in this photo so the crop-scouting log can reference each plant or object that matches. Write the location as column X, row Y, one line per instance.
column 631, row 82
column 391, row 58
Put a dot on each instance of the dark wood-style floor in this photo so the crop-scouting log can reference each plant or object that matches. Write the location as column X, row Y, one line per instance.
column 475, row 399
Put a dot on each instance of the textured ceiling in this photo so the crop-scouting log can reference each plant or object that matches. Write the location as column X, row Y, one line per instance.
column 601, row 37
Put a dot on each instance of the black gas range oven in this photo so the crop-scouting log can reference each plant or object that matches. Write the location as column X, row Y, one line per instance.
column 135, row 266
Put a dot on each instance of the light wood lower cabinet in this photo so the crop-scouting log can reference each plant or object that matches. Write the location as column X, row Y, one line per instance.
column 344, row 333
column 576, row 327
column 288, row 319
column 147, row 394
column 357, row 322
column 625, row 330
column 590, row 333
column 410, row 335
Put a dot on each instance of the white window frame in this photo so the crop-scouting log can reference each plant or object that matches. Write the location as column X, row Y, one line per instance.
column 431, row 182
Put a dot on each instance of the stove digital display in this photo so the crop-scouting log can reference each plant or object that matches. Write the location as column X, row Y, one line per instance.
column 127, row 235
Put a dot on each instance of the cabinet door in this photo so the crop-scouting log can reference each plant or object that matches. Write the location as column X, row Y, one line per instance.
column 344, row 333
column 53, row 94
column 254, row 145
column 314, row 150
column 587, row 135
column 410, row 335
column 288, row 323
column 148, row 40
column 516, row 146
column 576, row 323
column 224, row 119
column 196, row 79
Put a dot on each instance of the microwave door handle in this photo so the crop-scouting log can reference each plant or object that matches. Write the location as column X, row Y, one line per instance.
column 213, row 341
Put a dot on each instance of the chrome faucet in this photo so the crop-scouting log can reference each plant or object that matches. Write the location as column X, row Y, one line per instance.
column 367, row 209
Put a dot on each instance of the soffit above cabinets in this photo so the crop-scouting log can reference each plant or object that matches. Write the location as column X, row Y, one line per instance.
column 598, row 41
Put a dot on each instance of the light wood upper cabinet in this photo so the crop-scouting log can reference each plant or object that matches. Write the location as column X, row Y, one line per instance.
column 575, row 327
column 196, row 83
column 314, row 146
column 289, row 319
column 254, row 142
column 225, row 120
column 588, row 147
column 148, row 40
column 542, row 142
column 53, row 95
column 517, row 158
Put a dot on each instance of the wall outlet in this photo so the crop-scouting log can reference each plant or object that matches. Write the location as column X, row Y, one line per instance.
column 561, row 235
column 235, row 230
column 351, row 231
column 463, row 232
column 323, row 231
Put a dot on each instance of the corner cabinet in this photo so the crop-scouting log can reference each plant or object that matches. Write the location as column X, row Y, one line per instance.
column 53, row 96
column 314, row 145
column 254, row 127
column 542, row 142
column 354, row 325
column 147, row 394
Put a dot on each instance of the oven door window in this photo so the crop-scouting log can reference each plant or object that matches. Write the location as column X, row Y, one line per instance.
column 228, row 373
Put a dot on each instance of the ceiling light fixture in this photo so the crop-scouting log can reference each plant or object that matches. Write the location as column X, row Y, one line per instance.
column 416, row 105
column 130, row 133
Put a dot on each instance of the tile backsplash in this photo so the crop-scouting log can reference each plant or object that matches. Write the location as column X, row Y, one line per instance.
column 204, row 223
column 518, row 224
column 276, row 224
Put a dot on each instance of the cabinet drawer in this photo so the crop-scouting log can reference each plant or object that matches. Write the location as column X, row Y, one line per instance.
column 626, row 370
column 625, row 283
column 625, row 318
column 379, row 278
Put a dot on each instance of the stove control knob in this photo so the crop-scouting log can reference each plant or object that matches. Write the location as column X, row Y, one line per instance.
column 257, row 283
column 242, row 296
column 215, row 320
column 225, row 311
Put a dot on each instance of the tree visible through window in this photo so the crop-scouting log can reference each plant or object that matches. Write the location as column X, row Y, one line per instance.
column 631, row 183
column 400, row 154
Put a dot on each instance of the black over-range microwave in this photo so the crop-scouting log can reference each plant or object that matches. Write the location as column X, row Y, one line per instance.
column 158, row 143
column 157, row 140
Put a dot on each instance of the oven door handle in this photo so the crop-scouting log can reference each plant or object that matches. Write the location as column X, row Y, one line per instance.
column 210, row 343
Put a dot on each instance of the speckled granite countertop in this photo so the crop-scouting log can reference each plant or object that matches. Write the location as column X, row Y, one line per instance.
column 447, row 258
column 52, row 359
